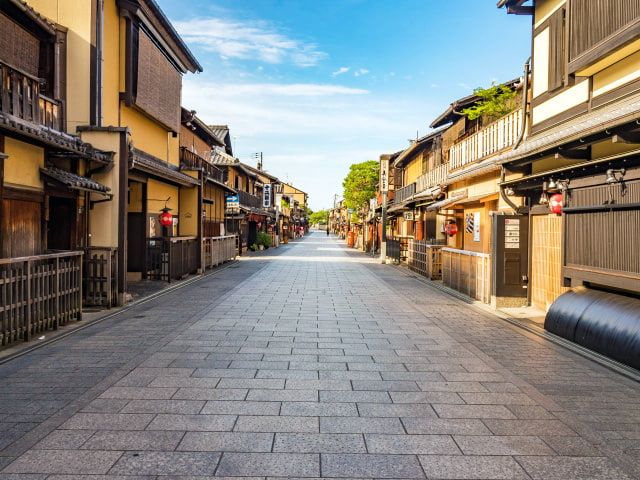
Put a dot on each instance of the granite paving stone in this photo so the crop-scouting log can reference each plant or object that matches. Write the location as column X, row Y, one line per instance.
column 63, row 461
column 502, row 445
column 360, row 425
column 270, row 464
column 371, row 465
column 319, row 443
column 256, row 423
column 205, row 423
column 560, row 468
column 457, row 467
column 166, row 463
column 133, row 440
column 312, row 361
column 226, row 442
column 241, row 408
column 411, row 444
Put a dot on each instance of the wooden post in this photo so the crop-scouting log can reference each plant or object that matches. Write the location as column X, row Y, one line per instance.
column 56, row 321
column 27, row 301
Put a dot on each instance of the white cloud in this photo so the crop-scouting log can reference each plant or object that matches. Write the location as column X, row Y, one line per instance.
column 340, row 71
column 250, row 40
column 360, row 72
column 283, row 89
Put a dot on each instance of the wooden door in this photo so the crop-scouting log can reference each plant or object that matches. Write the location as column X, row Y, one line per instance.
column 135, row 241
column 21, row 228
column 546, row 260
column 62, row 222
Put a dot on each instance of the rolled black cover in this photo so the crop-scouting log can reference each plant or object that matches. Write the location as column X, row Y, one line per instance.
column 605, row 322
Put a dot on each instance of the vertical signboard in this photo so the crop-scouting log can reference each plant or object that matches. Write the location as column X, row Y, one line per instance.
column 266, row 195
column 384, row 175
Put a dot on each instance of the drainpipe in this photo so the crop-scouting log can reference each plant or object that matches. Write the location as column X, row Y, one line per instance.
column 525, row 93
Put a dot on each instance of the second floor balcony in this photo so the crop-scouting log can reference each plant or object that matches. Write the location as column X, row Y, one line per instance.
column 249, row 200
column 491, row 140
column 405, row 192
column 193, row 161
column 20, row 97
column 432, row 178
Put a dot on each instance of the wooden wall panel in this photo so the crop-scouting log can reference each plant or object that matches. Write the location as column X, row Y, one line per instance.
column 21, row 228
column 546, row 260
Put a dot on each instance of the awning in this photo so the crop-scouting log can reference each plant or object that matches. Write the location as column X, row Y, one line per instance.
column 75, row 182
column 219, row 184
column 154, row 166
column 446, row 202
column 397, row 208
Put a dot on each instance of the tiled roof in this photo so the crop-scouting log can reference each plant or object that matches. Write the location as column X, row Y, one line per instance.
column 150, row 164
column 591, row 123
column 74, row 181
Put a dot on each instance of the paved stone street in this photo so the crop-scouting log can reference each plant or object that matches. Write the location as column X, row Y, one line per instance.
column 313, row 361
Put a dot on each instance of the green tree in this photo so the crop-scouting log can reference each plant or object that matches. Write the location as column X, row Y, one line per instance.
column 318, row 217
column 495, row 102
column 360, row 184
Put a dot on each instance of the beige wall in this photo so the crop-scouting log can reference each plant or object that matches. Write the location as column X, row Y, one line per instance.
column 158, row 192
column 413, row 170
column 76, row 17
column 545, row 8
column 103, row 218
column 624, row 71
column 562, row 102
column 24, row 163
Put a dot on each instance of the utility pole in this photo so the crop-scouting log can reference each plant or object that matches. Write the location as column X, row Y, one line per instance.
column 258, row 156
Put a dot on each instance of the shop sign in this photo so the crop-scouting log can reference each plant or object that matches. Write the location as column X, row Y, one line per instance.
column 472, row 225
column 512, row 233
column 232, row 202
column 384, row 176
column 266, row 196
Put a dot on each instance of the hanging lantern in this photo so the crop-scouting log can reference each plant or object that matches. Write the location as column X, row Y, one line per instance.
column 451, row 228
column 556, row 202
column 166, row 218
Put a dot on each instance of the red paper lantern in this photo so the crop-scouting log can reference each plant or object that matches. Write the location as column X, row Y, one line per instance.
column 166, row 219
column 556, row 202
column 451, row 229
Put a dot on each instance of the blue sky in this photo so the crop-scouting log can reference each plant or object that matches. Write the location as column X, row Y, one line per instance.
column 319, row 85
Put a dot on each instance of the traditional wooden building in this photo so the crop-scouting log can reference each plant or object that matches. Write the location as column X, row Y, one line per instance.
column 245, row 214
column 197, row 144
column 578, row 170
column 138, row 64
column 472, row 211
column 48, row 184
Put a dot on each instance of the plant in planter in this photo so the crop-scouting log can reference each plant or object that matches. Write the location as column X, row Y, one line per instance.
column 263, row 239
column 254, row 247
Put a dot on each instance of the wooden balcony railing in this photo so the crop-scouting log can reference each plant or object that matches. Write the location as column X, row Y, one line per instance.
column 432, row 178
column 20, row 96
column 467, row 272
column 39, row 293
column 100, row 277
column 405, row 192
column 248, row 200
column 217, row 250
column 492, row 139
column 193, row 161
column 171, row 258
